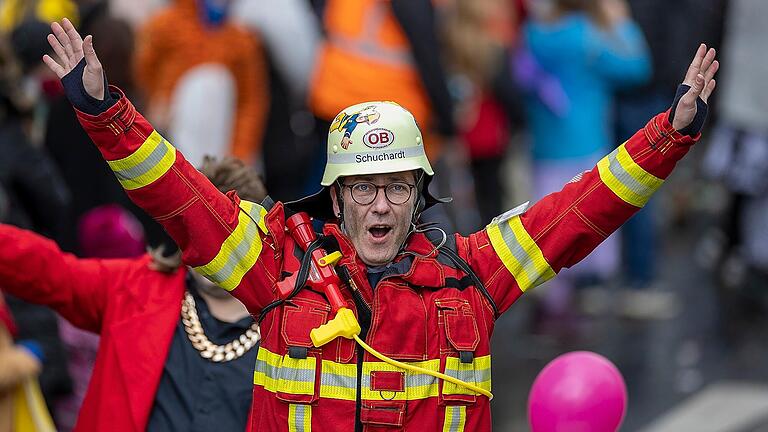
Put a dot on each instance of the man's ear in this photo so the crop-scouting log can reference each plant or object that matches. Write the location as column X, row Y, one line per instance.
column 335, row 198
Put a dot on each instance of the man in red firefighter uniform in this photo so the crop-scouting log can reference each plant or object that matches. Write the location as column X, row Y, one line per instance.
column 428, row 303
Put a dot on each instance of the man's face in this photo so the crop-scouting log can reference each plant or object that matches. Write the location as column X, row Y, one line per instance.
column 378, row 229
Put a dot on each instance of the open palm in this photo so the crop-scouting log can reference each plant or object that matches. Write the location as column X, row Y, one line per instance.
column 700, row 77
column 70, row 49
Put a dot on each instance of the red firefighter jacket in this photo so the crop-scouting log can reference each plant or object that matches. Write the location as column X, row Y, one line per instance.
column 425, row 311
column 133, row 308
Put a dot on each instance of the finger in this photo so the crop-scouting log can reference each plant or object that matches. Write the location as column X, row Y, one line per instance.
column 54, row 66
column 59, row 50
column 708, row 90
column 90, row 54
column 61, row 35
column 707, row 61
column 74, row 37
column 693, row 69
column 711, row 71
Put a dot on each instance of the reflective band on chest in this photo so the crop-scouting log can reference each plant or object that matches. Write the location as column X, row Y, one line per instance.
column 278, row 373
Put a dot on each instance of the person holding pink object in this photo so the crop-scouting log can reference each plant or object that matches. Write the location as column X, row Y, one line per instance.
column 578, row 392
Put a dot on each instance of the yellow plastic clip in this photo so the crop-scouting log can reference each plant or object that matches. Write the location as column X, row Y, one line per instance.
column 343, row 324
column 330, row 259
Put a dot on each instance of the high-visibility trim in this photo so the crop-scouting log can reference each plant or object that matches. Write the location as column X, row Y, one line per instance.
column 145, row 165
column 339, row 380
column 239, row 252
column 519, row 253
column 285, row 374
column 417, row 385
column 299, row 418
column 267, row 369
column 297, row 376
column 455, row 418
column 478, row 372
column 628, row 180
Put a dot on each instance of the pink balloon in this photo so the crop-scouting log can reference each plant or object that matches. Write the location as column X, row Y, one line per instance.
column 578, row 392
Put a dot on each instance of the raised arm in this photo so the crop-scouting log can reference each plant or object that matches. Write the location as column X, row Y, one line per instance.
column 520, row 250
column 222, row 237
column 34, row 269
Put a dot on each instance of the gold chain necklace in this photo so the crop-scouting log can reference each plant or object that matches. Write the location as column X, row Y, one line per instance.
column 208, row 350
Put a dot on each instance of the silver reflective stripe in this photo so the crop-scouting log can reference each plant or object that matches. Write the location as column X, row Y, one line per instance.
column 336, row 380
column 296, row 374
column 467, row 375
column 520, row 254
column 625, row 178
column 147, row 164
column 267, row 369
column 455, row 418
column 347, row 158
column 240, row 251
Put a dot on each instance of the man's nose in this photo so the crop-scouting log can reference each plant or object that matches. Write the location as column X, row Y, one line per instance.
column 380, row 204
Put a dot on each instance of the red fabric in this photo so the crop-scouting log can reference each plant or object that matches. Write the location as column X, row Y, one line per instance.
column 416, row 316
column 133, row 308
column 488, row 132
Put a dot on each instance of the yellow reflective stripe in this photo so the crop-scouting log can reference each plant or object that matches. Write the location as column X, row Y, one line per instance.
column 417, row 385
column 297, row 376
column 478, row 372
column 145, row 165
column 285, row 374
column 299, row 418
column 455, row 418
column 239, row 252
column 338, row 381
column 519, row 253
column 628, row 180
column 267, row 368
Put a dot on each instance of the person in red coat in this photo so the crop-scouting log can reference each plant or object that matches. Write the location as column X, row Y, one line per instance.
column 174, row 348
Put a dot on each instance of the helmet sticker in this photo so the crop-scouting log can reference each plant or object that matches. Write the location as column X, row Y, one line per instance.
column 348, row 122
column 378, row 138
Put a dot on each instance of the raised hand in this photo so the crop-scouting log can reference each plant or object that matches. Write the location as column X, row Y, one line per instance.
column 700, row 77
column 70, row 48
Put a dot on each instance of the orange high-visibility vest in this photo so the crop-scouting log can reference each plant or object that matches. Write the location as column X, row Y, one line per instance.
column 365, row 57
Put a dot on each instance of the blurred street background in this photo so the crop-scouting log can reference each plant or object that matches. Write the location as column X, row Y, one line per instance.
column 515, row 98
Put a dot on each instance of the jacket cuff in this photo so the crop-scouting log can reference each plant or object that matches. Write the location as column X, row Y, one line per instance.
column 661, row 135
column 117, row 118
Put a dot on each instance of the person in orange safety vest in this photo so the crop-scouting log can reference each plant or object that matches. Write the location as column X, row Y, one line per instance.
column 418, row 311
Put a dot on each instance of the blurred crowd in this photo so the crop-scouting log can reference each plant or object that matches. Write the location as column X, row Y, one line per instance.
column 515, row 98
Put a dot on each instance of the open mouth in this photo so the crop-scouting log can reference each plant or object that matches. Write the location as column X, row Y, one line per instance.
column 379, row 231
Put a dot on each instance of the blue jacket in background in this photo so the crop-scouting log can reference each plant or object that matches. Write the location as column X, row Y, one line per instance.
column 589, row 63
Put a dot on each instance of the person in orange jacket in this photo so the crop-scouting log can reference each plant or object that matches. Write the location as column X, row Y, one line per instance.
column 418, row 313
column 194, row 35
column 174, row 348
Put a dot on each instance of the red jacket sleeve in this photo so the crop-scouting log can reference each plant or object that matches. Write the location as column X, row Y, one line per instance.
column 34, row 269
column 221, row 237
column 516, row 252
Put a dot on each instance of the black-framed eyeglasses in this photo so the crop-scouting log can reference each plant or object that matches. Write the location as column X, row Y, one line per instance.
column 365, row 193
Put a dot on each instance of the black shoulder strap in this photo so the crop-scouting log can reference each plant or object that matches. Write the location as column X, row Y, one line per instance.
column 447, row 250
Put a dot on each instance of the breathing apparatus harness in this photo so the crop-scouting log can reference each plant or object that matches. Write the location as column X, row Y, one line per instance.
column 318, row 271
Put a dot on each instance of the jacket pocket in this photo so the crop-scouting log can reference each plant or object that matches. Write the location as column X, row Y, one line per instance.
column 382, row 416
column 301, row 363
column 459, row 338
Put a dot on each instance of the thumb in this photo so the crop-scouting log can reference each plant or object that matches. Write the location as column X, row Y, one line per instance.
column 696, row 89
column 90, row 53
